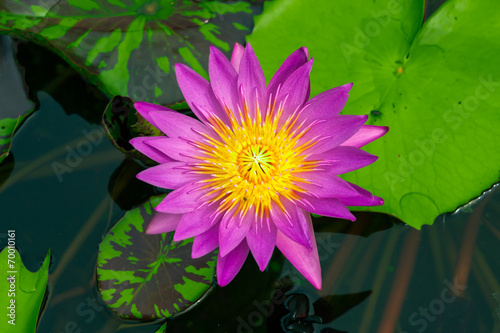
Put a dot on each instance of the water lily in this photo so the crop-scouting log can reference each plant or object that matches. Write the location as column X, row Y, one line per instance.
column 260, row 158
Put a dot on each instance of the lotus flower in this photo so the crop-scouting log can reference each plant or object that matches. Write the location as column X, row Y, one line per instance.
column 247, row 174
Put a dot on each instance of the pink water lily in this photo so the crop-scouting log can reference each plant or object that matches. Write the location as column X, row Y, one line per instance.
column 247, row 174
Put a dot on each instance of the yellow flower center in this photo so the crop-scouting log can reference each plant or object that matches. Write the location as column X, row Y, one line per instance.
column 253, row 161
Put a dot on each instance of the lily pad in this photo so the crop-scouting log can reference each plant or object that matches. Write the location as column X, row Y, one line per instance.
column 122, row 122
column 129, row 47
column 145, row 277
column 436, row 85
column 11, row 84
column 22, row 291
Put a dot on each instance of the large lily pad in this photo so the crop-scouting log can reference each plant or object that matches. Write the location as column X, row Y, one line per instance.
column 436, row 86
column 16, row 106
column 129, row 47
column 149, row 276
column 22, row 291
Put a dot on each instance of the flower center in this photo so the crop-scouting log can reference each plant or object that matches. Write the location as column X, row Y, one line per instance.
column 252, row 162
column 256, row 163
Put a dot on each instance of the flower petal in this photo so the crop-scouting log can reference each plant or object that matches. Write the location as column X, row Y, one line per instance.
column 291, row 222
column 365, row 135
column 233, row 229
column 141, row 144
column 170, row 175
column 321, row 184
column 229, row 265
column 251, row 81
column 223, row 78
column 175, row 125
column 261, row 239
column 345, row 159
column 238, row 51
column 325, row 206
column 178, row 149
column 185, row 199
column 364, row 198
column 290, row 65
column 330, row 133
column 295, row 91
column 328, row 103
column 197, row 90
column 195, row 223
column 306, row 262
column 145, row 108
column 206, row 242
column 163, row 222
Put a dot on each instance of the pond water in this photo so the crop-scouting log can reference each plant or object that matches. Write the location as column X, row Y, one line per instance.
column 65, row 185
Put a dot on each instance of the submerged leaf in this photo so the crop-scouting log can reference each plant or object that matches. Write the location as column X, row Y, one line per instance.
column 144, row 276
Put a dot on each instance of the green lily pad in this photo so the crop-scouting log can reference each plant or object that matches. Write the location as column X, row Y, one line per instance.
column 22, row 291
column 16, row 106
column 145, row 277
column 129, row 47
column 436, row 85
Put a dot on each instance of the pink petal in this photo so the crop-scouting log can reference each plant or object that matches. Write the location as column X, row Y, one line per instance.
column 238, row 51
column 291, row 222
column 344, row 159
column 229, row 265
column 330, row 133
column 261, row 239
column 325, row 206
column 364, row 198
column 178, row 149
column 365, row 135
column 290, row 65
column 206, row 242
column 197, row 90
column 233, row 229
column 163, row 222
column 251, row 81
column 295, row 91
column 145, row 109
column 175, row 125
column 185, row 199
column 327, row 104
column 306, row 262
column 195, row 223
column 141, row 144
column 324, row 185
column 223, row 78
column 170, row 175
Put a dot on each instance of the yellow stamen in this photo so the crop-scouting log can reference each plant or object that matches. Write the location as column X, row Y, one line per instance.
column 252, row 162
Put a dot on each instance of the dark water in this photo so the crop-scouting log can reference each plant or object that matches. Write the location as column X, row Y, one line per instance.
column 63, row 192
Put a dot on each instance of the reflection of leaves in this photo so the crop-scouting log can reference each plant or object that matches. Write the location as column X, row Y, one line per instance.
column 366, row 224
column 149, row 276
column 16, row 106
column 29, row 291
column 428, row 83
column 124, row 187
column 47, row 72
column 129, row 47
column 331, row 307
column 6, row 168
